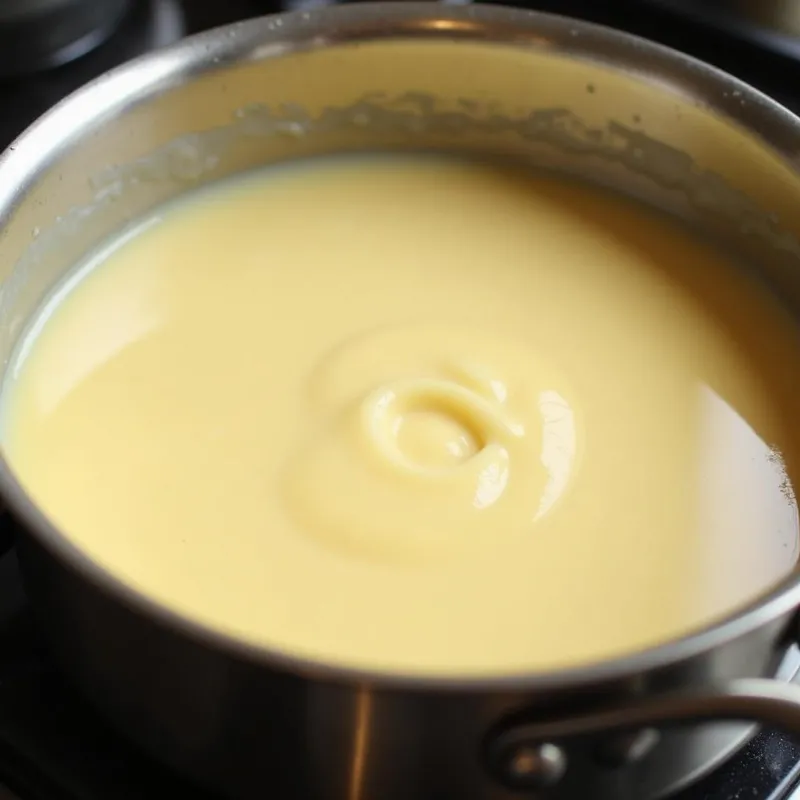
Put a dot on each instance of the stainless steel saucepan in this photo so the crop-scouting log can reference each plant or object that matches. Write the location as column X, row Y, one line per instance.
column 575, row 97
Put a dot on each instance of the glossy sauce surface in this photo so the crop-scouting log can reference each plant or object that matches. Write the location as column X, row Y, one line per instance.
column 418, row 414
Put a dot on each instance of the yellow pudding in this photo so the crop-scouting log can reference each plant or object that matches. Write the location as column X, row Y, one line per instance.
column 417, row 414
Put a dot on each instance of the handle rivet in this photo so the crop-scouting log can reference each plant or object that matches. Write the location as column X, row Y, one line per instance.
column 524, row 765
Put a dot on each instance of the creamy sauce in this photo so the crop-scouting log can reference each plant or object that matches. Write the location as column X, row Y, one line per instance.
column 417, row 414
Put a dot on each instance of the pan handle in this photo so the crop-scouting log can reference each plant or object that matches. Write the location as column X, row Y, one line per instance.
column 526, row 755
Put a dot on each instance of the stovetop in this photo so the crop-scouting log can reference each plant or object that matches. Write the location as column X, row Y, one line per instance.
column 52, row 746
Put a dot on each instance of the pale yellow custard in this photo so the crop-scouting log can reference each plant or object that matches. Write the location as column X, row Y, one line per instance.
column 417, row 414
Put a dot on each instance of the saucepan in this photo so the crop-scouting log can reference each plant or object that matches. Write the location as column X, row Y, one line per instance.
column 574, row 97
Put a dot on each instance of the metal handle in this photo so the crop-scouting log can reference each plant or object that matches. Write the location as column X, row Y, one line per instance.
column 531, row 755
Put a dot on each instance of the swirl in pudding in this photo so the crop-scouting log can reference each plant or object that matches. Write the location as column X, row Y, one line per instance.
column 467, row 451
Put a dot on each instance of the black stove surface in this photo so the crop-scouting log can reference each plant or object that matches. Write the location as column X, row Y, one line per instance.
column 52, row 746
